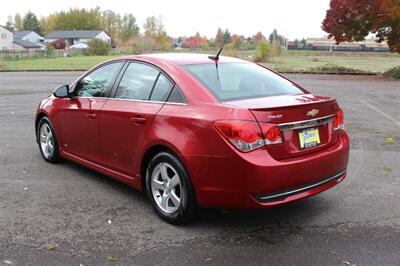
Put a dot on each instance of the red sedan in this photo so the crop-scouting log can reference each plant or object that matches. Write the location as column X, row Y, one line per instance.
column 197, row 131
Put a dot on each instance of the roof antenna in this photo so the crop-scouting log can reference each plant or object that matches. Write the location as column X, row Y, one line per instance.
column 226, row 38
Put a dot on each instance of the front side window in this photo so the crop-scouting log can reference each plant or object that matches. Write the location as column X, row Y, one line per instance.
column 137, row 82
column 237, row 81
column 98, row 82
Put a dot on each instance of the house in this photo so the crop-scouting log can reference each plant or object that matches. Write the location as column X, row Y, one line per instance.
column 28, row 40
column 74, row 37
column 6, row 39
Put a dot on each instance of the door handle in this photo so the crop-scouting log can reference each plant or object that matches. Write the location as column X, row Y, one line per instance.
column 138, row 120
column 91, row 116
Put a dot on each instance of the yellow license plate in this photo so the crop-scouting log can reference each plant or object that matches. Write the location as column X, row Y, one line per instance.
column 309, row 138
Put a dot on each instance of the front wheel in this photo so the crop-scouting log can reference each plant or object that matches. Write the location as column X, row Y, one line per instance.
column 47, row 141
column 170, row 190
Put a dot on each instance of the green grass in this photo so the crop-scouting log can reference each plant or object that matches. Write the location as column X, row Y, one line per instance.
column 368, row 62
column 289, row 61
column 55, row 63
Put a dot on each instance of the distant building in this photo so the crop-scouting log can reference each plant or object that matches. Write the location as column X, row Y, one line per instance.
column 28, row 40
column 325, row 44
column 6, row 39
column 75, row 37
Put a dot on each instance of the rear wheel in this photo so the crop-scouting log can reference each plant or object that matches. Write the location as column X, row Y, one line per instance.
column 169, row 189
column 47, row 141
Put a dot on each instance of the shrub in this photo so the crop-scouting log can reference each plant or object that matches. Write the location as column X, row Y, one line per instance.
column 143, row 45
column 263, row 52
column 59, row 44
column 393, row 73
column 98, row 47
column 276, row 49
column 229, row 50
column 50, row 49
column 334, row 69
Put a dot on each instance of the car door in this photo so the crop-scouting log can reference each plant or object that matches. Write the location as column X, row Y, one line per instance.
column 79, row 119
column 126, row 118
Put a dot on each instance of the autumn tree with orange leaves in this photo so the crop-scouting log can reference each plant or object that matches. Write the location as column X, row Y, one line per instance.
column 353, row 20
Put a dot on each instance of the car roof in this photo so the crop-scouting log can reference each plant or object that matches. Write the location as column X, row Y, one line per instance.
column 183, row 58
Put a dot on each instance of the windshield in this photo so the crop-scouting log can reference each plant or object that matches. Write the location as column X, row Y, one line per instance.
column 237, row 81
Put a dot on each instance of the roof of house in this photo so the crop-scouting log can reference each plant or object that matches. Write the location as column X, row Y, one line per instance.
column 21, row 34
column 73, row 34
column 26, row 44
column 5, row 28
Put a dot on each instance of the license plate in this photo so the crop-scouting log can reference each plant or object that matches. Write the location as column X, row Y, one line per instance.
column 309, row 138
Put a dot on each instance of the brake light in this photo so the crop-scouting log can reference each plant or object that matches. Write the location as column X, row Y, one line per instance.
column 338, row 120
column 272, row 133
column 247, row 136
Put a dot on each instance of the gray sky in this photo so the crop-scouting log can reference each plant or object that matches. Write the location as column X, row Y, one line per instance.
column 292, row 18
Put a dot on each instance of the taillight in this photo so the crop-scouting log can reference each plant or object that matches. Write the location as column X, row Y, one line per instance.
column 338, row 120
column 272, row 133
column 247, row 136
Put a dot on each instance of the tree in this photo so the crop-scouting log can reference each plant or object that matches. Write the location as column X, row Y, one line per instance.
column 259, row 37
column 48, row 23
column 10, row 24
column 275, row 37
column 59, row 44
column 353, row 20
column 263, row 52
column 111, row 23
column 196, row 41
column 31, row 23
column 154, row 28
column 129, row 28
column 18, row 22
column 78, row 19
column 219, row 37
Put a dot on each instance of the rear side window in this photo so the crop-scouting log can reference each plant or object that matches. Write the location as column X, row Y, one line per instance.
column 161, row 89
column 97, row 82
column 237, row 81
column 176, row 96
column 137, row 82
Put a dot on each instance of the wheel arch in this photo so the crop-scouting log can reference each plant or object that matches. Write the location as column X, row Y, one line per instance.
column 38, row 117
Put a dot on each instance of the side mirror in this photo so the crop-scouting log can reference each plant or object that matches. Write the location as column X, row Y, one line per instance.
column 62, row 92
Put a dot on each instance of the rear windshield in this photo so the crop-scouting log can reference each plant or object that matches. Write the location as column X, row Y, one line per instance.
column 237, row 81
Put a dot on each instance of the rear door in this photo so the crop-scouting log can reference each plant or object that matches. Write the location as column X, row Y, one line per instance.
column 126, row 118
column 79, row 119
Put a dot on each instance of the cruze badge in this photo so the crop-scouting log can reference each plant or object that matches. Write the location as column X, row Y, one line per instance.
column 313, row 112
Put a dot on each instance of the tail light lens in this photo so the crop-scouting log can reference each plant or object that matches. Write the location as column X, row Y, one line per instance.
column 247, row 136
column 338, row 120
column 272, row 133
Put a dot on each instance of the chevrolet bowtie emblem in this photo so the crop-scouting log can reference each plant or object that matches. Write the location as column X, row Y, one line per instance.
column 313, row 112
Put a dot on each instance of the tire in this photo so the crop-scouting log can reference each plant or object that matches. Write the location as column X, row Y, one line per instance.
column 167, row 182
column 47, row 141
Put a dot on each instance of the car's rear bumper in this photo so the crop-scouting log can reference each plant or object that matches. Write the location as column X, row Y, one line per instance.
column 256, row 180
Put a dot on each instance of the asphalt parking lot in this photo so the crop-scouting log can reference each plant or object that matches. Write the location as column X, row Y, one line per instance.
column 59, row 214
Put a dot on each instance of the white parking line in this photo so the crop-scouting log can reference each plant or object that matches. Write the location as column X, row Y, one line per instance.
column 381, row 112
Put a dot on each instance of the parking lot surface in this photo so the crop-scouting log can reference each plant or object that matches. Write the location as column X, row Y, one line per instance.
column 66, row 215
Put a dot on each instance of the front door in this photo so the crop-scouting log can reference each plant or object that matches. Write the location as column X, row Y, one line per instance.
column 79, row 119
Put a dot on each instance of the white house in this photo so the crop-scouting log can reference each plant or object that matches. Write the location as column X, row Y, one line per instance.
column 28, row 40
column 74, row 37
column 6, row 39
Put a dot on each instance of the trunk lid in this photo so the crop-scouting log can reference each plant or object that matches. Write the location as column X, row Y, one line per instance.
column 296, row 115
